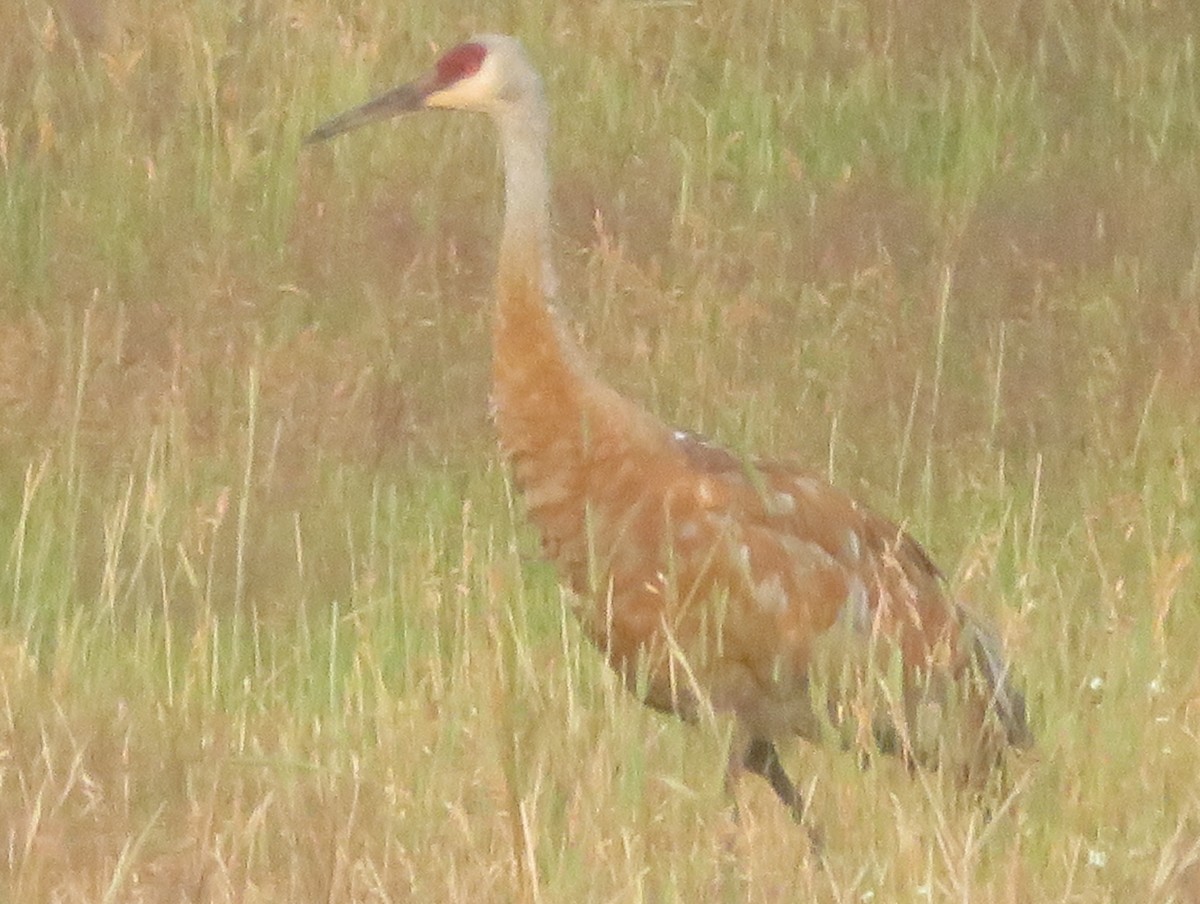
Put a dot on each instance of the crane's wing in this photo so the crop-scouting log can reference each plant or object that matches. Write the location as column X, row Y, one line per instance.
column 801, row 563
column 796, row 508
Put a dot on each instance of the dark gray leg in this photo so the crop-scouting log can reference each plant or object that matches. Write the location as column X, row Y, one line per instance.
column 758, row 755
column 762, row 758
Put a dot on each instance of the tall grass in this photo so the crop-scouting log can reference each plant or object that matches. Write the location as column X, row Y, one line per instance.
column 271, row 626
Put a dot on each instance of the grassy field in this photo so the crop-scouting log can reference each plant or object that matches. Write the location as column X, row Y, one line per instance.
column 271, row 626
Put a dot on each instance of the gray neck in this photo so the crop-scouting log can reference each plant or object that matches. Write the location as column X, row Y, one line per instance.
column 524, row 133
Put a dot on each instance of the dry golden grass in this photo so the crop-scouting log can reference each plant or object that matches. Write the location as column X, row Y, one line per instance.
column 270, row 625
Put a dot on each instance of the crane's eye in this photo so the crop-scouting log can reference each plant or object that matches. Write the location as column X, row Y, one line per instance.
column 459, row 63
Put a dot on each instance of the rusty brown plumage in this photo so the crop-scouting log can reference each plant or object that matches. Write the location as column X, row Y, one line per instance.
column 710, row 582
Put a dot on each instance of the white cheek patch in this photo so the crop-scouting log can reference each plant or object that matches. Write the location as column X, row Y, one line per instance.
column 460, row 95
column 476, row 92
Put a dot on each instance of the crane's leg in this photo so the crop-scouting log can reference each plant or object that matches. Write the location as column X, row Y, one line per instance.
column 758, row 755
column 762, row 758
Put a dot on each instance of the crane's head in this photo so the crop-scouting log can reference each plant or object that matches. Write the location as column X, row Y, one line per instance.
column 488, row 74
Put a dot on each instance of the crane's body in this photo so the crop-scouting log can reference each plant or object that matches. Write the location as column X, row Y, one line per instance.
column 708, row 581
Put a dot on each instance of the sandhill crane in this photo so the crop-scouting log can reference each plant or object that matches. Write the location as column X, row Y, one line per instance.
column 710, row 582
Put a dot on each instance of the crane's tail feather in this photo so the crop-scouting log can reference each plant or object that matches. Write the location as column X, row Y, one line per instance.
column 990, row 665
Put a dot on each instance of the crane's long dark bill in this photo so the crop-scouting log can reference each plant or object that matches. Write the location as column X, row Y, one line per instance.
column 404, row 99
